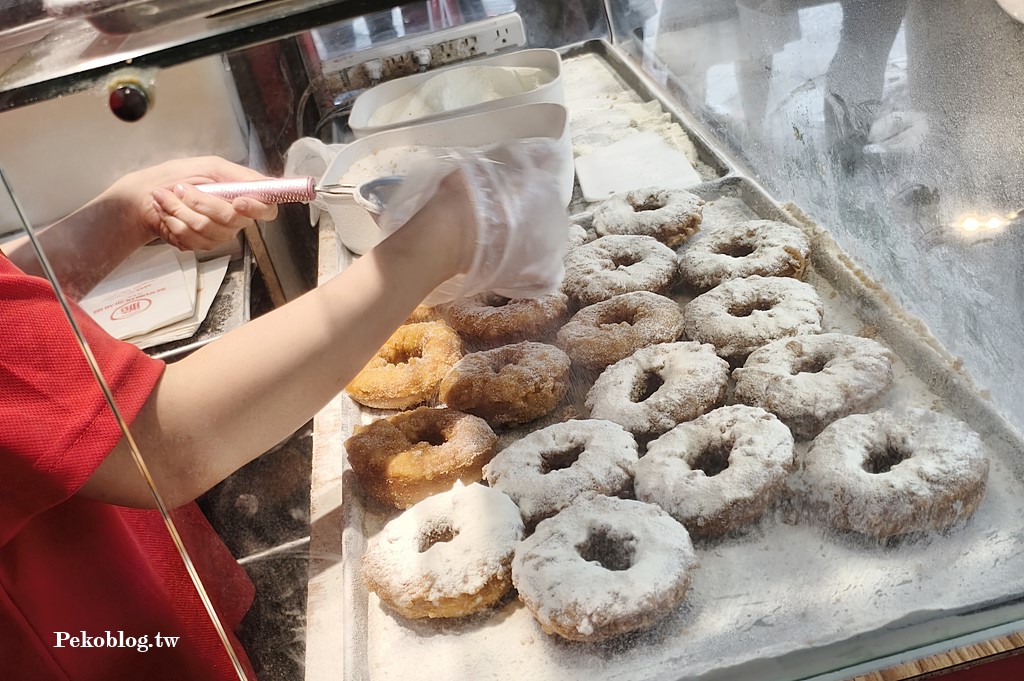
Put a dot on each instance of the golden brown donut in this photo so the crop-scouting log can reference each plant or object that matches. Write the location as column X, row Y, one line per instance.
column 422, row 313
column 450, row 556
column 603, row 333
column 406, row 370
column 510, row 385
column 404, row 458
column 490, row 320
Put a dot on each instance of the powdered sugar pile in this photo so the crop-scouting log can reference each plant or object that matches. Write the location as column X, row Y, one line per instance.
column 604, row 110
column 460, row 88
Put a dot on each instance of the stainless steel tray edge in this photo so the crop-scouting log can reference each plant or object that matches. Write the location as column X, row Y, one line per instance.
column 648, row 88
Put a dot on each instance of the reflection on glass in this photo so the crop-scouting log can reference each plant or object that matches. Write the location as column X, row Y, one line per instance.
column 891, row 123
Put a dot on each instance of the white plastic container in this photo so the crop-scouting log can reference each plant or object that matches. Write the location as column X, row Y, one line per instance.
column 385, row 93
column 356, row 227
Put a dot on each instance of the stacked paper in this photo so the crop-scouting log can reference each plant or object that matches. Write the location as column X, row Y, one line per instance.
column 156, row 296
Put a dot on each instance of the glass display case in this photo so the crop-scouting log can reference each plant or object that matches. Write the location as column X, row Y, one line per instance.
column 887, row 135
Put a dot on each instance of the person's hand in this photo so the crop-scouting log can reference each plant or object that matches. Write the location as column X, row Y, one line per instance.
column 163, row 202
column 499, row 211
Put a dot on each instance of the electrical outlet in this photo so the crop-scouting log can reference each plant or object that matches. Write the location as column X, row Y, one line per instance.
column 503, row 32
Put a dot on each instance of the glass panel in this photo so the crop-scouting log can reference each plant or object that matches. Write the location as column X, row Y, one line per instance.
column 896, row 128
column 891, row 124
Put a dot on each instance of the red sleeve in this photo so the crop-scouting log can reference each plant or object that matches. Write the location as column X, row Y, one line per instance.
column 55, row 425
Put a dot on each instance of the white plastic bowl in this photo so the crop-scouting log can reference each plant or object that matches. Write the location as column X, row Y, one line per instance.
column 357, row 229
column 371, row 100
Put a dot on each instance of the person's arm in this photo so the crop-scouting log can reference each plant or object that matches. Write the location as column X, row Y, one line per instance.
column 219, row 408
column 157, row 202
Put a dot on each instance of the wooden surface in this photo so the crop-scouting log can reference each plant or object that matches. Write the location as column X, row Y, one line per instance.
column 943, row 665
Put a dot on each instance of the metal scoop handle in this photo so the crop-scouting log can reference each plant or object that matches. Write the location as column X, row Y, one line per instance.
column 283, row 190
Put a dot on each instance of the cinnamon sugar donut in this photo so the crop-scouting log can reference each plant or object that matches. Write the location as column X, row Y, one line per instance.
column 720, row 471
column 894, row 472
column 510, row 385
column 659, row 386
column 740, row 315
column 489, row 320
column 810, row 381
column 618, row 264
column 613, row 329
column 544, row 471
column 668, row 215
column 447, row 556
column 409, row 456
column 408, row 367
column 735, row 250
column 422, row 313
column 603, row 567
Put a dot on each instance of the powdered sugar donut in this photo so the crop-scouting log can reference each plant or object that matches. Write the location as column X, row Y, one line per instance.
column 490, row 320
column 602, row 567
column 613, row 265
column 668, row 215
column 510, row 385
column 892, row 472
column 734, row 250
column 448, row 556
column 544, row 471
column 659, row 386
column 810, row 381
column 740, row 315
column 613, row 329
column 720, row 471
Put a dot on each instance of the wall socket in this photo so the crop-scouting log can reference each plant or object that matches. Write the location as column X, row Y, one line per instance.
column 397, row 58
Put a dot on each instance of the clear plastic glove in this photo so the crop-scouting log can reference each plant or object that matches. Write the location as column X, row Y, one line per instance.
column 522, row 228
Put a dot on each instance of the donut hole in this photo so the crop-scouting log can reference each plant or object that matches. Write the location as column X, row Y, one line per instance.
column 645, row 386
column 560, row 459
column 434, row 437
column 649, row 203
column 494, row 300
column 810, row 364
column 745, row 309
column 615, row 551
column 735, row 249
column 616, row 316
column 623, row 260
column 438, row 533
column 884, row 459
column 402, row 354
column 713, row 459
column 500, row 360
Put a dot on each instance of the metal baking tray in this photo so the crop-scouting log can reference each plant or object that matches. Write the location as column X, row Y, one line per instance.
column 648, row 90
column 788, row 599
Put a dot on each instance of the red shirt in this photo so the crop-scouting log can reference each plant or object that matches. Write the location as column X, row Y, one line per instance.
column 72, row 569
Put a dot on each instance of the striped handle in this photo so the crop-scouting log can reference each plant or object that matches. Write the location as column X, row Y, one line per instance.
column 284, row 190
